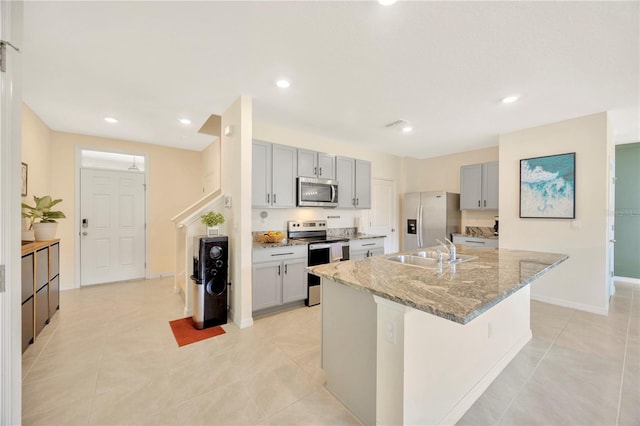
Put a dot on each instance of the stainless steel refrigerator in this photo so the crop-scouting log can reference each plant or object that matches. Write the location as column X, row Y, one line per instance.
column 428, row 216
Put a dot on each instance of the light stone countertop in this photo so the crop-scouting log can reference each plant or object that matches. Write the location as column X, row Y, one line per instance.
column 287, row 242
column 475, row 286
column 284, row 243
column 365, row 236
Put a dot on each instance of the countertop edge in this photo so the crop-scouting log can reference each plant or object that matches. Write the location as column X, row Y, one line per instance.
column 429, row 309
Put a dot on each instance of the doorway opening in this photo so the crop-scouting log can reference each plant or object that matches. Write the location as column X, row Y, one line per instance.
column 112, row 203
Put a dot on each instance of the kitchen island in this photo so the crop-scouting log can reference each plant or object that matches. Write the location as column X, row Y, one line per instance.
column 403, row 344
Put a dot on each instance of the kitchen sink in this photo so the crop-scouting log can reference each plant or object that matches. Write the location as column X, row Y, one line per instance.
column 423, row 262
column 429, row 259
column 433, row 255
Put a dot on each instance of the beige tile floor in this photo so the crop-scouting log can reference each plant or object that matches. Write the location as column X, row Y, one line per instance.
column 108, row 357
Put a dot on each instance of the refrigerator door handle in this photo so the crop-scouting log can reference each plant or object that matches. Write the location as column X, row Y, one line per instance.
column 420, row 225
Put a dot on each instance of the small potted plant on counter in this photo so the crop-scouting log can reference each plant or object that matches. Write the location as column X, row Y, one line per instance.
column 212, row 220
column 41, row 218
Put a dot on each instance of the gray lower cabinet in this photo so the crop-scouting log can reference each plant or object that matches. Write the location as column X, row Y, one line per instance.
column 361, row 249
column 354, row 183
column 267, row 284
column 479, row 186
column 475, row 241
column 279, row 276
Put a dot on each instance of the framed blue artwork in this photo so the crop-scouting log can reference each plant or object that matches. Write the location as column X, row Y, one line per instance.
column 548, row 187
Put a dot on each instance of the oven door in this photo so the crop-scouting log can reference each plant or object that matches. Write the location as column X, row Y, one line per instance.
column 320, row 254
column 314, row 192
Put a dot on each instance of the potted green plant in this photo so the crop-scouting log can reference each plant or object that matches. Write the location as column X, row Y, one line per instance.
column 212, row 220
column 41, row 218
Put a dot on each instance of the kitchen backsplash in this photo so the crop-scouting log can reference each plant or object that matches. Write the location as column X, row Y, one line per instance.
column 479, row 231
column 478, row 218
column 276, row 219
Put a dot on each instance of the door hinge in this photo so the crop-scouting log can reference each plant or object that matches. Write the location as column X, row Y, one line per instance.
column 3, row 54
column 2, row 279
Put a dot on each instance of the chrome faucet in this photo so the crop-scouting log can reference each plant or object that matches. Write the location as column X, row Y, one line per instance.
column 451, row 248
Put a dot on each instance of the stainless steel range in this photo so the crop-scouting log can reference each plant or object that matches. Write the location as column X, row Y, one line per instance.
column 322, row 249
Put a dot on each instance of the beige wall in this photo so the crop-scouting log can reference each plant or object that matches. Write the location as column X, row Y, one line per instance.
column 580, row 282
column 172, row 177
column 211, row 167
column 443, row 173
column 36, row 152
column 172, row 173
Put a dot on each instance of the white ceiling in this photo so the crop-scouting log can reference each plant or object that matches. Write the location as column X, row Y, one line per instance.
column 353, row 67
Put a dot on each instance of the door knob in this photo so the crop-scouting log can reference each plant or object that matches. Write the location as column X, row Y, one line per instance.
column 85, row 233
column 612, row 241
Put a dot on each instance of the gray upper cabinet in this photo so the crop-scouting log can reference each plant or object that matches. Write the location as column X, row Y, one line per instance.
column 345, row 175
column 363, row 184
column 316, row 164
column 354, row 183
column 273, row 178
column 490, row 186
column 283, row 182
column 261, row 174
column 479, row 186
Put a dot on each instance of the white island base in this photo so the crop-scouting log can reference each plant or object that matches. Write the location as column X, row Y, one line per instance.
column 391, row 364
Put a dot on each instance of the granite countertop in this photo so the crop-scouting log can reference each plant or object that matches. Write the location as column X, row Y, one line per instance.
column 364, row 236
column 489, row 237
column 284, row 243
column 458, row 294
column 287, row 242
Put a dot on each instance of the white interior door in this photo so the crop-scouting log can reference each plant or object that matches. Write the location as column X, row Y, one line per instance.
column 383, row 216
column 112, row 226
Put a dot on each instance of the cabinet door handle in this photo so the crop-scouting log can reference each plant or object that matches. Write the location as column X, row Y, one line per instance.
column 478, row 203
column 285, row 268
column 485, row 203
column 474, row 242
column 320, row 171
column 274, row 198
column 357, row 201
column 369, row 244
column 278, row 269
column 315, row 170
column 268, row 198
column 353, row 202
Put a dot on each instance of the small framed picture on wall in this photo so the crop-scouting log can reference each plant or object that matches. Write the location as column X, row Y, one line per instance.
column 25, row 172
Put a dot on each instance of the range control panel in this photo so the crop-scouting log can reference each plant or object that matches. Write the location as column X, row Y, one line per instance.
column 306, row 225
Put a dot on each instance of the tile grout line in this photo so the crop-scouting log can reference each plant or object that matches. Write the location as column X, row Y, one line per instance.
column 532, row 372
column 95, row 385
column 624, row 361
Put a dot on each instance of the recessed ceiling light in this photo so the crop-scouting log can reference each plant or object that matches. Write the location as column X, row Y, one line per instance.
column 407, row 129
column 185, row 121
column 387, row 2
column 110, row 120
column 283, row 84
column 510, row 99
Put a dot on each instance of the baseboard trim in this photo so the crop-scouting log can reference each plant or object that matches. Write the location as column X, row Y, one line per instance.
column 572, row 305
column 627, row 280
column 474, row 393
column 160, row 275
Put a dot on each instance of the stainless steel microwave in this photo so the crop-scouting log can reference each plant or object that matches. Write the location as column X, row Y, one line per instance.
column 314, row 192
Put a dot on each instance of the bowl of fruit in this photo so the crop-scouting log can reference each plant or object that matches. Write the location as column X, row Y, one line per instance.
column 270, row 237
